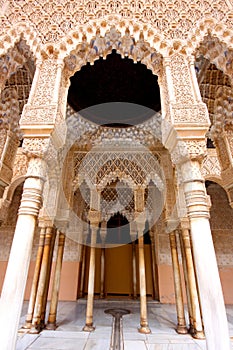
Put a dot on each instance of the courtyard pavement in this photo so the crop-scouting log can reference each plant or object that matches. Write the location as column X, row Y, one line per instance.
column 70, row 321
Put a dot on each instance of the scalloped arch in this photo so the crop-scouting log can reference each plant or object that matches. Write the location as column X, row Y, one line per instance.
column 214, row 178
column 86, row 32
column 214, row 29
column 14, row 184
column 17, row 33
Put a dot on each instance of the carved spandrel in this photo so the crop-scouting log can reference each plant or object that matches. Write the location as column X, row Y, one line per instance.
column 181, row 79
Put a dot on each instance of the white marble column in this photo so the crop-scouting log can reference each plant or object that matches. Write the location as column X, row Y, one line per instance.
column 209, row 284
column 81, row 289
column 103, row 234
column 56, row 283
column 94, row 217
column 154, row 267
column 48, row 276
column 198, row 331
column 91, row 284
column 42, row 283
column 35, row 281
column 18, row 264
column 133, row 235
column 181, row 325
column 187, row 287
column 144, row 326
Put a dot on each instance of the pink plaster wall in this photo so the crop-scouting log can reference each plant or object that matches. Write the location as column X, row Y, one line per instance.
column 70, row 276
column 166, row 284
column 69, row 279
column 226, row 276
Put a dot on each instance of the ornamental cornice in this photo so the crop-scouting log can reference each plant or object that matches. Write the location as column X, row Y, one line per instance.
column 190, row 113
column 173, row 19
column 189, row 149
column 174, row 27
column 41, row 114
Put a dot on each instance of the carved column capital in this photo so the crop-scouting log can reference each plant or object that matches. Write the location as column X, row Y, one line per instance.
column 32, row 191
column 133, row 230
column 187, row 149
column 94, row 217
column 35, row 147
column 196, row 199
column 139, row 200
column 103, row 231
column 140, row 219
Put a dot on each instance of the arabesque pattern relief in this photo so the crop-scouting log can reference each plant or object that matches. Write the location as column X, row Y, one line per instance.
column 173, row 19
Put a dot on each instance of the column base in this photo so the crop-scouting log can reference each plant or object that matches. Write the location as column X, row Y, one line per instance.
column 26, row 326
column 51, row 326
column 191, row 329
column 23, row 330
column 181, row 329
column 34, row 330
column 144, row 330
column 88, row 328
column 198, row 334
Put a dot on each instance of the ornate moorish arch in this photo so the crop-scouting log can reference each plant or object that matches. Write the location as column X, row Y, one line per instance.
column 125, row 42
column 20, row 31
column 49, row 90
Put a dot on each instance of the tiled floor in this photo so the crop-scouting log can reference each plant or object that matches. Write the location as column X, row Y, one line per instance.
column 71, row 316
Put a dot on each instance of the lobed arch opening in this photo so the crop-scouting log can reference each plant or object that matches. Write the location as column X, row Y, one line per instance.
column 214, row 68
column 114, row 69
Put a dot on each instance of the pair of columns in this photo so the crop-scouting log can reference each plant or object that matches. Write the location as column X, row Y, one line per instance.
column 89, row 327
column 196, row 327
column 35, row 320
column 206, row 268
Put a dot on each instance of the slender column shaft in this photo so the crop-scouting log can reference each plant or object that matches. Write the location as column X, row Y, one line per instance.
column 181, row 326
column 144, row 328
column 81, row 292
column 190, row 311
column 47, row 281
column 103, row 234
column 35, row 281
column 194, row 298
column 133, row 235
column 91, row 283
column 56, row 283
column 154, row 268
column 18, row 264
column 134, row 267
column 102, row 273
column 42, row 282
